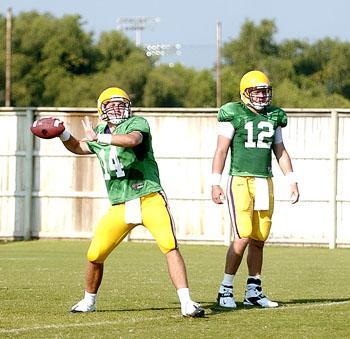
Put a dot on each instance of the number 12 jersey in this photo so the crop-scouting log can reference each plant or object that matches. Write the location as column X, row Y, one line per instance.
column 252, row 142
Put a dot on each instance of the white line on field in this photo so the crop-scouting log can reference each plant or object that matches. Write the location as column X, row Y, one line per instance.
column 98, row 323
column 137, row 320
column 286, row 307
column 21, row 258
column 311, row 305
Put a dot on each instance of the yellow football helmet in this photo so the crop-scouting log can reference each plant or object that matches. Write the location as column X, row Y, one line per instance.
column 114, row 105
column 255, row 90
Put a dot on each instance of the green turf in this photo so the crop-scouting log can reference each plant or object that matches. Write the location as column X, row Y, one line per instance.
column 41, row 280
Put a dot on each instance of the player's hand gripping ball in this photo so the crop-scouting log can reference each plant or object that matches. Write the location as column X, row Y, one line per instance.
column 47, row 128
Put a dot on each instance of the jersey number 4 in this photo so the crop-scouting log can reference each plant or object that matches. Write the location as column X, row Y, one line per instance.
column 111, row 163
column 265, row 130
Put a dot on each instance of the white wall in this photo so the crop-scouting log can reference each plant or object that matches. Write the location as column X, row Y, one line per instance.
column 67, row 195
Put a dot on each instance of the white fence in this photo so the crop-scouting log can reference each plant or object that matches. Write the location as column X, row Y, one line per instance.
column 45, row 191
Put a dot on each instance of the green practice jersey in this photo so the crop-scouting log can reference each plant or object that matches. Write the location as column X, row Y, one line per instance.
column 253, row 139
column 129, row 173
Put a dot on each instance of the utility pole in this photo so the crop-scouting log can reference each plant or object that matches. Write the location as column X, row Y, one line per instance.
column 137, row 24
column 218, row 64
column 8, row 58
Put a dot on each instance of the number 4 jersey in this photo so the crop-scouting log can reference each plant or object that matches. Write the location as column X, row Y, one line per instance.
column 129, row 173
column 253, row 138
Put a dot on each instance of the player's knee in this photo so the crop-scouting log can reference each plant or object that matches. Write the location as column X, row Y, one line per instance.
column 238, row 246
column 167, row 248
column 243, row 241
column 257, row 243
column 95, row 256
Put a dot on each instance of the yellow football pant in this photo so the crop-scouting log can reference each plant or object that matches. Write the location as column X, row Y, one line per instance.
column 112, row 229
column 246, row 222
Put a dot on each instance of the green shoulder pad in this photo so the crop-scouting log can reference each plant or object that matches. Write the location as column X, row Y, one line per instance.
column 278, row 115
column 282, row 118
column 227, row 111
column 137, row 124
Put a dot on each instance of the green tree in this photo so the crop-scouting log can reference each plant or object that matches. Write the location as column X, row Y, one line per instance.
column 46, row 48
column 202, row 90
column 132, row 75
column 302, row 74
column 114, row 46
column 2, row 60
column 288, row 94
column 179, row 86
column 253, row 45
column 165, row 87
column 56, row 63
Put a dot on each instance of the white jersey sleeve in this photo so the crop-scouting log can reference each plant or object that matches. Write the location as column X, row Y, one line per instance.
column 225, row 129
column 278, row 135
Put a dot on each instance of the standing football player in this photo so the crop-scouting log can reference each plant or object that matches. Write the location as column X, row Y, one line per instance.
column 123, row 145
column 252, row 129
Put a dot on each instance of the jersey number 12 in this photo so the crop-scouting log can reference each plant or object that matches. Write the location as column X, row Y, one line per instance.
column 265, row 131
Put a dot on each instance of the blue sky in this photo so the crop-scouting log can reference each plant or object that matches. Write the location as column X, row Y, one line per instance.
column 193, row 23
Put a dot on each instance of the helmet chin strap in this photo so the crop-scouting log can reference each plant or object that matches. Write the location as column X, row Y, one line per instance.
column 112, row 118
column 115, row 121
column 257, row 107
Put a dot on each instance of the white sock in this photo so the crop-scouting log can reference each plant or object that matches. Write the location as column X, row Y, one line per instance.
column 184, row 295
column 255, row 277
column 90, row 298
column 228, row 279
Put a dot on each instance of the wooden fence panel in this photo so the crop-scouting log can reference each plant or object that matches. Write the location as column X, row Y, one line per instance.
column 68, row 196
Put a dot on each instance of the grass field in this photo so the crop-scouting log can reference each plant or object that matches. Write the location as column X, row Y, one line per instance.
column 41, row 280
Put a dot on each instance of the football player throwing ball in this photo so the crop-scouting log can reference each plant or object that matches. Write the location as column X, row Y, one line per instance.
column 123, row 146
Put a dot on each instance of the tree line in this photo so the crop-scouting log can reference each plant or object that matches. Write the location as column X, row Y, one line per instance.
column 55, row 62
